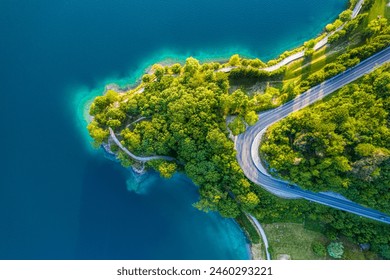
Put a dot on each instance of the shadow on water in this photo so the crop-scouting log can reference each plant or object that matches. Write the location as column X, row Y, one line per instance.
column 159, row 223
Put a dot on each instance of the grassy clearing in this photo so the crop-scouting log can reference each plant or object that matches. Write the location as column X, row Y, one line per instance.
column 387, row 11
column 303, row 67
column 293, row 240
column 296, row 240
column 379, row 8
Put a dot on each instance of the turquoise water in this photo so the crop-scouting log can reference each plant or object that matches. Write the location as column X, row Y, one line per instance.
column 60, row 199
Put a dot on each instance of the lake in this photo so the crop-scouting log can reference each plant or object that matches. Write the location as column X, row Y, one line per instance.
column 59, row 198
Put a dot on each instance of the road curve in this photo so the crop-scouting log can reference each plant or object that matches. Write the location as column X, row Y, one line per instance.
column 247, row 144
column 133, row 156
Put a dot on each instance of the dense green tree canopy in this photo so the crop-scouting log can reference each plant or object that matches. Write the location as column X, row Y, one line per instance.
column 182, row 113
column 341, row 144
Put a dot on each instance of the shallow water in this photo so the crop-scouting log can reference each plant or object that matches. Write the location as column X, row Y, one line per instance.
column 60, row 199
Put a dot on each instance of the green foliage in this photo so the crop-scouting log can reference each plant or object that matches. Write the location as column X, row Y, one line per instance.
column 249, row 200
column 97, row 133
column 184, row 110
column 186, row 107
column 345, row 15
column 124, row 159
column 228, row 208
column 335, row 37
column 257, row 63
column 176, row 68
column 234, row 60
column 364, row 149
column 111, row 96
column 165, row 168
column 337, row 23
column 99, row 105
column 249, row 228
column 309, row 52
column 237, row 126
column 319, row 249
column 310, row 44
column 252, row 74
column 382, row 84
column 130, row 139
column 330, row 27
column 146, row 78
column 336, row 250
column 384, row 250
column 251, row 118
column 267, row 100
column 340, row 144
column 114, row 148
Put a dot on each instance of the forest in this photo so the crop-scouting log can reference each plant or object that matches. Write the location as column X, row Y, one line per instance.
column 183, row 111
column 340, row 144
column 191, row 111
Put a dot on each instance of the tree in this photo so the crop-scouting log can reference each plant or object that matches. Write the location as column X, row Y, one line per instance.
column 191, row 66
column 146, row 78
column 345, row 15
column 111, row 96
column 114, row 123
column 384, row 250
column 97, row 133
column 376, row 25
column 124, row 159
column 176, row 68
column 336, row 250
column 237, row 126
column 249, row 200
column 238, row 103
column 131, row 139
column 337, row 23
column 331, row 145
column 251, row 118
column 228, row 208
column 330, row 27
column 309, row 52
column 309, row 44
column 167, row 169
column 159, row 71
column 234, row 60
column 99, row 105
column 365, row 149
column 382, row 84
column 319, row 249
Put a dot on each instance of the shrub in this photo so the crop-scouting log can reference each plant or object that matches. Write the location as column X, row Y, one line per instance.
column 336, row 250
column 319, row 249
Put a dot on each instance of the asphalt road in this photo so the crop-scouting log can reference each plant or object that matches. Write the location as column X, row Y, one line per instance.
column 247, row 144
column 133, row 156
column 263, row 235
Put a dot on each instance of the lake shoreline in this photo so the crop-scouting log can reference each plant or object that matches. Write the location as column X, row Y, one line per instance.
column 169, row 62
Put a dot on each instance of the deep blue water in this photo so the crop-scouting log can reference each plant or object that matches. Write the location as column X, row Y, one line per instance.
column 59, row 199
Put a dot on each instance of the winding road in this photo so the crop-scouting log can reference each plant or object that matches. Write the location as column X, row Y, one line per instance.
column 133, row 156
column 247, row 144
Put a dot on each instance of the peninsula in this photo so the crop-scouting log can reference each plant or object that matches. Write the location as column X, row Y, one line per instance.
column 207, row 120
